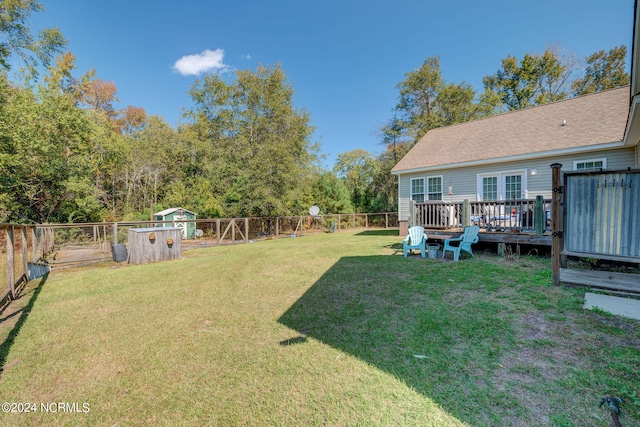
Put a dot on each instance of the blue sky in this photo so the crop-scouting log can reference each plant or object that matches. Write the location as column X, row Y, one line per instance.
column 343, row 58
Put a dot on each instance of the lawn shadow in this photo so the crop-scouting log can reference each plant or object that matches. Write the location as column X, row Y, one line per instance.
column 384, row 232
column 375, row 309
column 5, row 346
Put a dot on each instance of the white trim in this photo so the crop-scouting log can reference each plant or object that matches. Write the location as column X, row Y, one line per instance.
column 501, row 182
column 426, row 187
column 632, row 131
column 600, row 159
column 172, row 210
column 526, row 156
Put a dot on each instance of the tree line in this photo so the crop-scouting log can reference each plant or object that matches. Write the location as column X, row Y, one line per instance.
column 244, row 149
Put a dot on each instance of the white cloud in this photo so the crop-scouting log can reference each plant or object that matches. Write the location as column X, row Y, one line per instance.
column 207, row 60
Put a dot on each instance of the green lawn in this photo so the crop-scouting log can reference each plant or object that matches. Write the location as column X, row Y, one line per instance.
column 317, row 330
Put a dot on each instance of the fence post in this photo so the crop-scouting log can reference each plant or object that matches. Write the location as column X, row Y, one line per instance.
column 556, row 227
column 11, row 280
column 233, row 230
column 539, row 215
column 246, row 230
column 218, row 230
column 115, row 233
column 25, row 253
column 34, row 244
column 386, row 220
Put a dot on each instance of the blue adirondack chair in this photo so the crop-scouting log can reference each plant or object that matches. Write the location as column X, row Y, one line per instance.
column 416, row 239
column 462, row 243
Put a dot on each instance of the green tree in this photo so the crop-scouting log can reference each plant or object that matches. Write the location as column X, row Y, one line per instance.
column 16, row 39
column 255, row 143
column 151, row 164
column 45, row 157
column 426, row 101
column 536, row 79
column 331, row 195
column 392, row 134
column 605, row 70
column 417, row 98
column 384, row 188
column 356, row 169
column 456, row 104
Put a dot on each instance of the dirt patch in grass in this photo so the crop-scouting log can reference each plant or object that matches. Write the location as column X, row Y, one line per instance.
column 552, row 350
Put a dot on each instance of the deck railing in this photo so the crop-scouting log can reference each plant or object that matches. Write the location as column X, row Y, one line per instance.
column 524, row 215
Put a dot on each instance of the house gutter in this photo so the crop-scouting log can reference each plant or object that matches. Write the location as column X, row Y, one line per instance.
column 519, row 157
column 632, row 132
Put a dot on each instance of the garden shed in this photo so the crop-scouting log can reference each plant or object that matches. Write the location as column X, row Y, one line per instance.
column 180, row 218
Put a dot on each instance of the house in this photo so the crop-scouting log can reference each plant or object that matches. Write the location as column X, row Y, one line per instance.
column 508, row 156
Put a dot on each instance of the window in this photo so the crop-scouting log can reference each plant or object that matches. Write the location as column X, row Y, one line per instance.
column 434, row 187
column 513, row 187
column 490, row 188
column 589, row 164
column 417, row 190
column 502, row 185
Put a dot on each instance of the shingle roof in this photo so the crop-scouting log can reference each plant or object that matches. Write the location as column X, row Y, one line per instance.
column 590, row 119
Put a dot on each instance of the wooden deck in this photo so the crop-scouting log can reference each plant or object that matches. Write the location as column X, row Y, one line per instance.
column 618, row 283
column 495, row 237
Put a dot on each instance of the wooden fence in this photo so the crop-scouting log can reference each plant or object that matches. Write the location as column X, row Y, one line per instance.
column 20, row 245
column 91, row 242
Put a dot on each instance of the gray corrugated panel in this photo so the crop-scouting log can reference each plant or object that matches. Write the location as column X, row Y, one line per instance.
column 603, row 213
column 37, row 269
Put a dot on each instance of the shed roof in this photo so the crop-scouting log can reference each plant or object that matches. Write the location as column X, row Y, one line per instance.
column 590, row 120
column 172, row 210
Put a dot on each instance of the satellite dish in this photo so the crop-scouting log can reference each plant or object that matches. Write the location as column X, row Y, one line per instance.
column 314, row 210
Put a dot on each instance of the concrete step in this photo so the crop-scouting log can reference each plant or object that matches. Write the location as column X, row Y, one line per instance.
column 626, row 307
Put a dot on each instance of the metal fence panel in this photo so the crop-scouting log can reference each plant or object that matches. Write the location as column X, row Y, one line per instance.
column 603, row 213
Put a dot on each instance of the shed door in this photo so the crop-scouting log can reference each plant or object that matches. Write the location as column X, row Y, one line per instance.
column 178, row 221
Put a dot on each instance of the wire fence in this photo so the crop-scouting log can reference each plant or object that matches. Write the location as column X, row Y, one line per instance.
column 78, row 244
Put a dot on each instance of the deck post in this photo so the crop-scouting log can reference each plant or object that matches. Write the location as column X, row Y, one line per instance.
column 466, row 213
column 538, row 215
column 412, row 213
column 556, row 226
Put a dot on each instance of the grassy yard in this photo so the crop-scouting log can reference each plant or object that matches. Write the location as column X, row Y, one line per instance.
column 333, row 329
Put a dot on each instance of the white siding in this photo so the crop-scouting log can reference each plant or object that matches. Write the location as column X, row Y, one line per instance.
column 464, row 180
